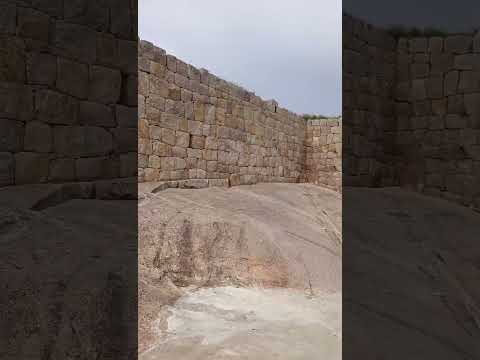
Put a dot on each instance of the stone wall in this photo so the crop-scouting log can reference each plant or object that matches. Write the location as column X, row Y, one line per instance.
column 438, row 115
column 411, row 110
column 68, row 91
column 368, row 106
column 323, row 143
column 197, row 128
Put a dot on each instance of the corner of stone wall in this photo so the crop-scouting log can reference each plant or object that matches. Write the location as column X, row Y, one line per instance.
column 197, row 128
column 323, row 147
column 410, row 111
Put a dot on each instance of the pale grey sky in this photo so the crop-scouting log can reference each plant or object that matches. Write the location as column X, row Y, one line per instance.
column 286, row 50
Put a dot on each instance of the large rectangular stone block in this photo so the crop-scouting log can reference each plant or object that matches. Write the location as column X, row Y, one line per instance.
column 93, row 168
column 31, row 168
column 11, row 135
column 458, row 44
column 125, row 139
column 82, row 141
column 62, row 170
column 41, row 69
column 95, row 114
column 75, row 41
column 33, row 24
column 72, row 78
column 16, row 101
column 7, row 169
column 56, row 108
column 105, row 85
column 38, row 137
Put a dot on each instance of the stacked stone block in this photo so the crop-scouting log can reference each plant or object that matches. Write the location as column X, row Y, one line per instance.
column 203, row 131
column 324, row 153
column 368, row 104
column 411, row 110
column 68, row 91
column 438, row 115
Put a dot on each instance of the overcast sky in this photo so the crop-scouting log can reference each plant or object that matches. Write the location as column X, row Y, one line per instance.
column 455, row 16
column 282, row 49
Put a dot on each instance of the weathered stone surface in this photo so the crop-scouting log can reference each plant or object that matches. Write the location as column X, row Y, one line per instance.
column 16, row 101
column 156, row 85
column 126, row 116
column 476, row 42
column 419, row 91
column 427, row 111
column 455, row 121
column 72, row 78
column 56, row 108
column 420, row 70
column 435, row 87
column 419, row 45
column 441, row 63
column 435, row 45
column 125, row 139
column 41, row 69
column 458, row 43
column 31, row 168
column 8, row 18
column 172, row 63
column 82, row 141
column 12, row 59
column 182, row 139
column 105, row 84
column 59, row 68
column 121, row 21
column 128, row 164
column 75, row 41
column 455, row 104
column 174, row 107
column 129, row 91
column 7, row 169
column 93, row 168
column 62, row 170
column 11, row 135
column 467, row 62
column 38, row 137
column 95, row 114
column 107, row 49
column 451, row 83
column 197, row 142
column 168, row 136
column 469, row 82
column 194, row 184
column 472, row 104
column 32, row 24
column 127, row 51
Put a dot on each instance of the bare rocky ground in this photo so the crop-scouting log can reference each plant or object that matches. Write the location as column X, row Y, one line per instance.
column 252, row 323
column 236, row 284
column 424, row 301
column 67, row 270
column 411, row 278
column 247, row 272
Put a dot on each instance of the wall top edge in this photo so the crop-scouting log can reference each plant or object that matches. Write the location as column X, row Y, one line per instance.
column 152, row 52
column 399, row 31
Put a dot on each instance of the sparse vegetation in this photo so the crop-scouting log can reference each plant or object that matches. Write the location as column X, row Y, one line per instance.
column 429, row 31
column 318, row 116
column 410, row 32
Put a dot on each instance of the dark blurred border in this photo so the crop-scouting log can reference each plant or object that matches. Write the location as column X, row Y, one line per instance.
column 68, row 179
column 411, row 180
